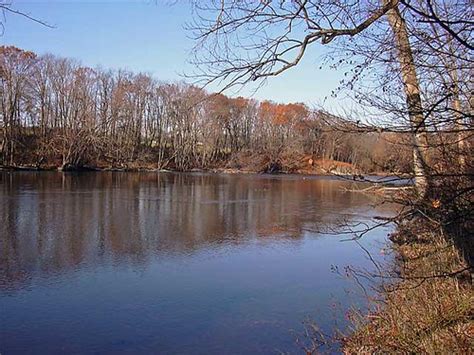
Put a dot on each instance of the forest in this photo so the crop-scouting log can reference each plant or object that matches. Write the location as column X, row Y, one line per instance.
column 56, row 113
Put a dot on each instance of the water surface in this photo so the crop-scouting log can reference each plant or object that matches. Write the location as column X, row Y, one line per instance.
column 174, row 263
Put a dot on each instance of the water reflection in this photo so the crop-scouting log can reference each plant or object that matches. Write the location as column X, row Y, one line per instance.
column 61, row 225
column 56, row 221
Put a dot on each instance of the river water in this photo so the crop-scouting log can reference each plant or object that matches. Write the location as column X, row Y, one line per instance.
column 175, row 263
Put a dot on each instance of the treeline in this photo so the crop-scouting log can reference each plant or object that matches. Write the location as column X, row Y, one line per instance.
column 56, row 113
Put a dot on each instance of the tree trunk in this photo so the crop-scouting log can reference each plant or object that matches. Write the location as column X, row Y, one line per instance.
column 458, row 117
column 413, row 99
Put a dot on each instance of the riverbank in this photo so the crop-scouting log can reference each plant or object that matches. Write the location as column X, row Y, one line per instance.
column 426, row 304
column 328, row 169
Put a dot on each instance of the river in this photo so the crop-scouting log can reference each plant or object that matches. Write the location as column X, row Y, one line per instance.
column 172, row 263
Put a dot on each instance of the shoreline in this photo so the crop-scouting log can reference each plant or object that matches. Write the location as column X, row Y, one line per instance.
column 357, row 177
column 425, row 302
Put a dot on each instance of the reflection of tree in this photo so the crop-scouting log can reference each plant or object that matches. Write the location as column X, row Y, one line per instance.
column 54, row 222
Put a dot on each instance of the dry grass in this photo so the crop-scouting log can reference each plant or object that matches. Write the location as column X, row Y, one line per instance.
column 429, row 309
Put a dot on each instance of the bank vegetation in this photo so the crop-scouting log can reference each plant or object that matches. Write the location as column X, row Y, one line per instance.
column 56, row 113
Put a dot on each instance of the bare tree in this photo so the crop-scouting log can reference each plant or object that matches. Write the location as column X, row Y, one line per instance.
column 243, row 41
column 57, row 113
column 6, row 7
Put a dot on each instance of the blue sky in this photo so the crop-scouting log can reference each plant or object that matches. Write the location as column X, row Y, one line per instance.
column 144, row 36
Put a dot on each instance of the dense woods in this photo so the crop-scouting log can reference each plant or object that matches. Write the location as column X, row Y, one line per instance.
column 57, row 113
